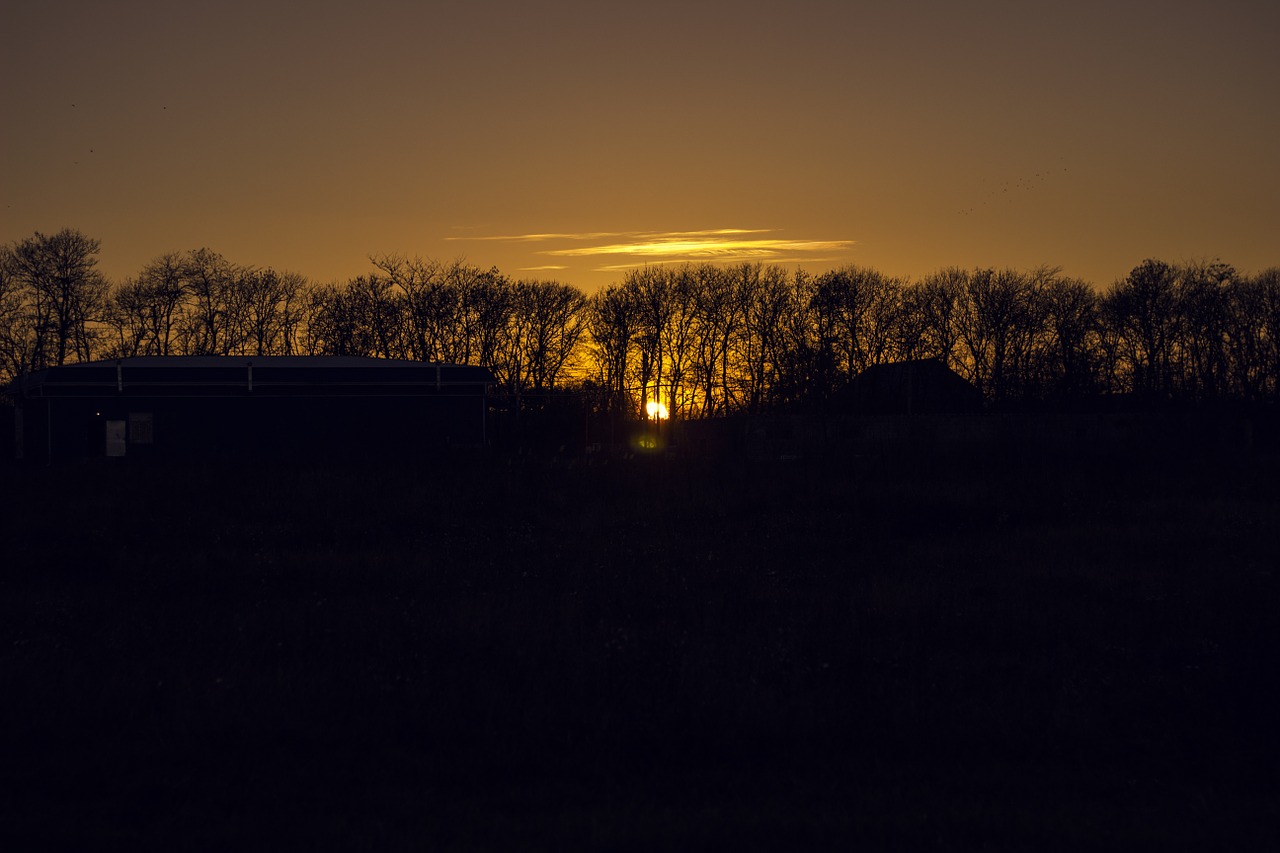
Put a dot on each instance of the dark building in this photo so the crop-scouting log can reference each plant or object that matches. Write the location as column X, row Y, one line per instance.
column 213, row 406
column 922, row 387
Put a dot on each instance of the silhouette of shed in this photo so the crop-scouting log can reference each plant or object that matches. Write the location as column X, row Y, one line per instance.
column 326, row 406
column 919, row 387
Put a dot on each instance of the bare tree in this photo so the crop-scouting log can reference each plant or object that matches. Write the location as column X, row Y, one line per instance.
column 612, row 324
column 17, row 339
column 765, row 294
column 648, row 293
column 378, row 309
column 999, row 324
column 64, row 294
column 705, row 340
column 429, row 304
column 165, row 291
column 910, row 327
column 806, row 373
column 126, row 316
column 859, row 305
column 1203, row 303
column 1141, row 310
column 1267, row 285
column 547, row 321
column 936, row 299
column 678, row 340
column 332, row 327
column 207, row 323
column 1251, row 337
column 485, row 307
column 271, row 307
column 452, row 312
column 145, row 312
column 717, row 319
column 1071, row 351
column 361, row 317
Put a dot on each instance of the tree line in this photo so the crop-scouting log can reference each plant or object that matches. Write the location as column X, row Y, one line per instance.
column 704, row 340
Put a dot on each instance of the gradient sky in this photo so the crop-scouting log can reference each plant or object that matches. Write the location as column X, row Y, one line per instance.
column 571, row 140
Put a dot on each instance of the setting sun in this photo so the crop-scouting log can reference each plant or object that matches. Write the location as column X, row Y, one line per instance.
column 656, row 411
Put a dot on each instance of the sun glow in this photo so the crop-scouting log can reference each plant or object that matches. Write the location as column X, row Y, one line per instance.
column 656, row 411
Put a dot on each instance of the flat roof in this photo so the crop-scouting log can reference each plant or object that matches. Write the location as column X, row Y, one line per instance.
column 223, row 374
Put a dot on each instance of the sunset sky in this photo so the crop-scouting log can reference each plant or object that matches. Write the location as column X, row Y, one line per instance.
column 573, row 140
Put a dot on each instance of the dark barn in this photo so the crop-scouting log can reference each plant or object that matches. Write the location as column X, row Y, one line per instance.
column 214, row 406
column 921, row 387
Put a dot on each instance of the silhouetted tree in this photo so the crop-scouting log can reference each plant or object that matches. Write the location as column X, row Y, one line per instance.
column 936, row 298
column 612, row 323
column 16, row 338
column 201, row 304
column 768, row 300
column 859, row 305
column 359, row 318
column 1203, row 305
column 126, row 317
column 453, row 313
column 1245, row 339
column 62, row 293
column 718, row 316
column 330, row 327
column 1142, row 312
column 208, row 322
column 680, row 337
column 910, row 326
column 1253, row 335
column 649, row 294
column 706, row 340
column 546, row 323
column 157, row 303
column 271, row 311
column 485, row 306
column 416, row 289
column 1071, row 352
column 1267, row 286
column 805, row 374
column 379, row 311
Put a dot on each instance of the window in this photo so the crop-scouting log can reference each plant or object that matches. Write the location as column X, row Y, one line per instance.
column 141, row 428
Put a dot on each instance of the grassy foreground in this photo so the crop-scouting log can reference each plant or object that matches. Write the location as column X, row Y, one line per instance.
column 641, row 653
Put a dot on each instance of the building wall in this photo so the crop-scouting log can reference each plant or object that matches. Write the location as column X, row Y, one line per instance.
column 324, row 427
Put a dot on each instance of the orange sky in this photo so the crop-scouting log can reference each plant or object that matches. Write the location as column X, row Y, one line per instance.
column 555, row 140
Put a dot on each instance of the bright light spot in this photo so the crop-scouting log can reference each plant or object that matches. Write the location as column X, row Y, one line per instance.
column 656, row 411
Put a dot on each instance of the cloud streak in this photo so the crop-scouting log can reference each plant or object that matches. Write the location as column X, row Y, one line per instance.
column 725, row 259
column 619, row 251
column 705, row 248
column 612, row 235
column 713, row 245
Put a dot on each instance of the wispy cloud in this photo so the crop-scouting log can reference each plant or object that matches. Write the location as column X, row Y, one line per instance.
column 725, row 259
column 540, row 238
column 624, row 250
column 706, row 248
column 612, row 235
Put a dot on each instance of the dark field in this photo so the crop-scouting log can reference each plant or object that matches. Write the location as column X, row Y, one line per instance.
column 642, row 654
